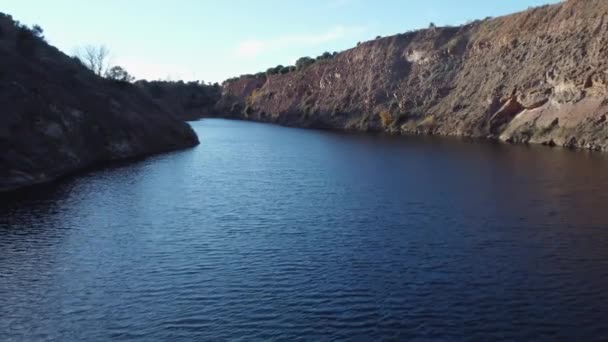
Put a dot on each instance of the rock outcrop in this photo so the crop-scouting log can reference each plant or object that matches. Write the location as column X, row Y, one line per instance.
column 538, row 76
column 57, row 117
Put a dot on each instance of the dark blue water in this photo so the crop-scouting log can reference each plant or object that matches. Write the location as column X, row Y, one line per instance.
column 270, row 233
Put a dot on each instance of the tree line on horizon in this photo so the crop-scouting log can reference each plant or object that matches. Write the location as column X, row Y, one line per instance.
column 96, row 58
column 301, row 64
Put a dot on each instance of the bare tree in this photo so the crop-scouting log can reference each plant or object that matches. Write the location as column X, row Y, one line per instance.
column 95, row 58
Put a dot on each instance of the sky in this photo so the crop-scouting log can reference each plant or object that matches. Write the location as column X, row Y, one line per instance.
column 212, row 40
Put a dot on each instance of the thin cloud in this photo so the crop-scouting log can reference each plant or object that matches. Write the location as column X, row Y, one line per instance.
column 254, row 47
column 338, row 3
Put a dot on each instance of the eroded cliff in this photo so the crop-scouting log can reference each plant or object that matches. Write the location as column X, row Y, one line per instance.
column 538, row 76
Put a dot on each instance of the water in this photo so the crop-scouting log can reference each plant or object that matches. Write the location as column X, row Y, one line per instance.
column 271, row 233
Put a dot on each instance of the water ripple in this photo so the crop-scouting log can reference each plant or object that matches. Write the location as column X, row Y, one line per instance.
column 268, row 233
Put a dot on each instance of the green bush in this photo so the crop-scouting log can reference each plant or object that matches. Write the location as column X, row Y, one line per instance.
column 274, row 70
column 38, row 31
column 304, row 62
column 325, row 55
column 279, row 69
column 118, row 74
column 387, row 119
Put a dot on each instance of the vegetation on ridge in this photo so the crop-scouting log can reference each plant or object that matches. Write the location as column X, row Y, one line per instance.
column 301, row 64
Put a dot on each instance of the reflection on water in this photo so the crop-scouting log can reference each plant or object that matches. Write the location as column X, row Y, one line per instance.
column 265, row 232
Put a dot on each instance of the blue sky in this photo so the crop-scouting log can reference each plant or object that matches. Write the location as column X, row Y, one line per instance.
column 212, row 40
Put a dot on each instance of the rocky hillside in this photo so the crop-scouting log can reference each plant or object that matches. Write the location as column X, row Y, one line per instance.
column 187, row 100
column 539, row 76
column 58, row 117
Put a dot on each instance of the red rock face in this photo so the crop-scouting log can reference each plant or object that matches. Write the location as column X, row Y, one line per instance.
column 538, row 76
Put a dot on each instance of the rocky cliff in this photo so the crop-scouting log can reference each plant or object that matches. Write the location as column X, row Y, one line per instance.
column 538, row 76
column 57, row 117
